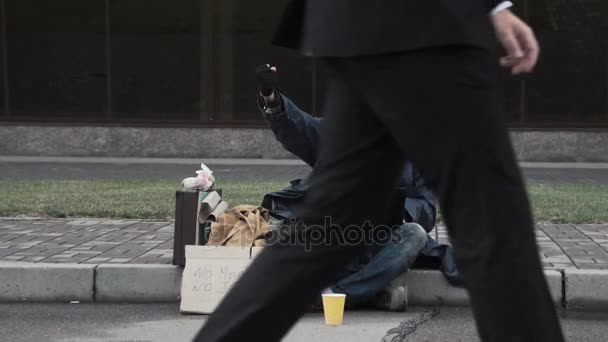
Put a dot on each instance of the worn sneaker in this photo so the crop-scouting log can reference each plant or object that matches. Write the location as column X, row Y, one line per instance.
column 393, row 298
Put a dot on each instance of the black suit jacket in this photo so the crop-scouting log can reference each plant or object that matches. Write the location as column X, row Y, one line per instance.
column 341, row 28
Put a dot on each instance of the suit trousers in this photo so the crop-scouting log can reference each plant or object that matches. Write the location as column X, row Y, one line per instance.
column 440, row 108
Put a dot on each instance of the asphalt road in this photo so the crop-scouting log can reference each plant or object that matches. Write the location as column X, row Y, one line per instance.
column 162, row 322
column 177, row 172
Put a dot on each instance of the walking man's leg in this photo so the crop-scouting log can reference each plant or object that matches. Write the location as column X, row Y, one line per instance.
column 441, row 106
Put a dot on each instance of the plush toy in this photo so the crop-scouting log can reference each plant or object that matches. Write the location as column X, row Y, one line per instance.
column 203, row 181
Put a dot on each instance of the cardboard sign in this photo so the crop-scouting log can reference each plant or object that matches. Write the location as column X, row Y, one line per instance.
column 209, row 274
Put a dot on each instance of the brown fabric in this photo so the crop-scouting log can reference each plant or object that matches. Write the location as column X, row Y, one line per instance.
column 243, row 225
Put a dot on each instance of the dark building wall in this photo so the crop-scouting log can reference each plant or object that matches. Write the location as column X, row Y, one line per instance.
column 190, row 63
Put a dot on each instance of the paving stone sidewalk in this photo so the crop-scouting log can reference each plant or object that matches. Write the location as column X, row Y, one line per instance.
column 91, row 241
column 96, row 241
column 568, row 246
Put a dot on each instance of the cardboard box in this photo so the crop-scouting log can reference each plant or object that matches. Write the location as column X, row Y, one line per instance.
column 209, row 273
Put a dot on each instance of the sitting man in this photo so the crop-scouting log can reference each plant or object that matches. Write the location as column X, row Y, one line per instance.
column 370, row 279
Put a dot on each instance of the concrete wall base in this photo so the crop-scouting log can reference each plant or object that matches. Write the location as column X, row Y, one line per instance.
column 88, row 141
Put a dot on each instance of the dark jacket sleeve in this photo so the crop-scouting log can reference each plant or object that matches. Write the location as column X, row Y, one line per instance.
column 296, row 130
column 420, row 203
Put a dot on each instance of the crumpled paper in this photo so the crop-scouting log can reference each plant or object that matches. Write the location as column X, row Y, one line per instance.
column 203, row 181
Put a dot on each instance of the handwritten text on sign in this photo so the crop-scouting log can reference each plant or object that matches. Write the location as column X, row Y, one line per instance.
column 216, row 277
column 209, row 274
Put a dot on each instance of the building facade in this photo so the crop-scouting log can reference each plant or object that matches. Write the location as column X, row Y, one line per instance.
column 76, row 67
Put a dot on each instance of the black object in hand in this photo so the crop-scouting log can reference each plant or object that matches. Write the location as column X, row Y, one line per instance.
column 267, row 79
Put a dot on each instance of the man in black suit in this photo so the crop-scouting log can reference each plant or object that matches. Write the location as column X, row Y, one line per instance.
column 404, row 71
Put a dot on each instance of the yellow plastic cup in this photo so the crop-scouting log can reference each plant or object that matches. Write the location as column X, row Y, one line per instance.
column 333, row 308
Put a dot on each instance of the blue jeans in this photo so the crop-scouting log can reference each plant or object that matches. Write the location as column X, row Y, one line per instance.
column 361, row 282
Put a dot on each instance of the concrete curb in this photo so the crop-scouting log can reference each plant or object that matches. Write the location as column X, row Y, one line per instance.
column 137, row 283
column 585, row 290
column 430, row 288
column 21, row 282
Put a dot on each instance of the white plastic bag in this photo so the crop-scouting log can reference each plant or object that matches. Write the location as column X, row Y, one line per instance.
column 203, row 181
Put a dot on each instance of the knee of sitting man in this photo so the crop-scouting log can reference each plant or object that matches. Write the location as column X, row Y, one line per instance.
column 417, row 234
